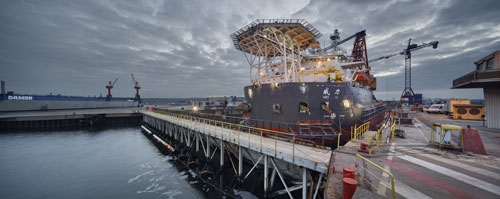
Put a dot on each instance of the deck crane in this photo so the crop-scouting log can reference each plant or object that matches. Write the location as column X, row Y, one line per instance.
column 109, row 87
column 408, row 93
column 335, row 37
column 137, row 87
column 359, row 53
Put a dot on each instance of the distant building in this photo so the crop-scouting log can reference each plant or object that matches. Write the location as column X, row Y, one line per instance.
column 486, row 76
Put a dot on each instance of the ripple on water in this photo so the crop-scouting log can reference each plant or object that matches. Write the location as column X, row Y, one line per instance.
column 172, row 193
column 137, row 178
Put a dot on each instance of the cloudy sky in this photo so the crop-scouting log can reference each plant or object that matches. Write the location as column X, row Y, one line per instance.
column 183, row 48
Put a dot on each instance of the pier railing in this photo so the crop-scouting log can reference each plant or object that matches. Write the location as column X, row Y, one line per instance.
column 359, row 131
column 234, row 130
column 391, row 124
column 278, row 129
column 369, row 169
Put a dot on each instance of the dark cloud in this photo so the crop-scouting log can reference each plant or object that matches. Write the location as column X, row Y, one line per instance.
column 183, row 48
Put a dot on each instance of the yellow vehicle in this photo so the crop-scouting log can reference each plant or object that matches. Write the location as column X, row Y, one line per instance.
column 447, row 135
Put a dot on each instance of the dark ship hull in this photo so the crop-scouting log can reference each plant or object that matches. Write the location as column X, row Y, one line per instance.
column 280, row 103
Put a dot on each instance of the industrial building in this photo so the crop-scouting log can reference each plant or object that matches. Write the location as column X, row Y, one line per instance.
column 486, row 76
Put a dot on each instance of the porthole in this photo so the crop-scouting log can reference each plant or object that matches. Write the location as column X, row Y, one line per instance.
column 303, row 108
column 276, row 108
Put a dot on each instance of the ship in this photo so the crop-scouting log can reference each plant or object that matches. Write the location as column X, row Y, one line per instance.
column 298, row 88
column 10, row 101
column 22, row 102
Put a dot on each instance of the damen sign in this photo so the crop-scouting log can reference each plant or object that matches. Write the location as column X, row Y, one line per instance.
column 15, row 97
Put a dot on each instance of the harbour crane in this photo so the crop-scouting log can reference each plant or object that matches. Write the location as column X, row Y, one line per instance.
column 408, row 93
column 137, row 87
column 109, row 87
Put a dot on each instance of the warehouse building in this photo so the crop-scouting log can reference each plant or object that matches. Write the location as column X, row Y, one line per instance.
column 486, row 76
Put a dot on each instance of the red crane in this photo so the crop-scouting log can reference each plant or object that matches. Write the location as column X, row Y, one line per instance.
column 109, row 87
column 137, row 87
column 359, row 53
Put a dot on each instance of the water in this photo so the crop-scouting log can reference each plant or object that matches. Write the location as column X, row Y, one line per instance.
column 112, row 163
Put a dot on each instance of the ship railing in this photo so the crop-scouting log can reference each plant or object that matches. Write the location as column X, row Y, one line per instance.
column 357, row 132
column 235, row 130
column 372, row 112
column 367, row 170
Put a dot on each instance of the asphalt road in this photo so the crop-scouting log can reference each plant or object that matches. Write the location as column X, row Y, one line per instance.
column 424, row 171
column 490, row 137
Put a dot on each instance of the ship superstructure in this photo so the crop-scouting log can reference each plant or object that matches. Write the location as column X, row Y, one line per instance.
column 310, row 89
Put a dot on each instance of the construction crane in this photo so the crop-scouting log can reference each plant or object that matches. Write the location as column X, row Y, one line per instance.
column 137, row 87
column 408, row 91
column 109, row 87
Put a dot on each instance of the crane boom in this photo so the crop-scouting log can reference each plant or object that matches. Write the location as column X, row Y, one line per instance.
column 114, row 82
column 363, row 32
column 133, row 80
column 410, row 48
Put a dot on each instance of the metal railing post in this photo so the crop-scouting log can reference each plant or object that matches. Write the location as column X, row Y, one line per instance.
column 261, row 140
column 293, row 149
column 338, row 139
column 369, row 146
column 355, row 132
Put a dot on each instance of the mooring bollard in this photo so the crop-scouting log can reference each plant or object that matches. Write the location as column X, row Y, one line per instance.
column 349, row 187
column 348, row 172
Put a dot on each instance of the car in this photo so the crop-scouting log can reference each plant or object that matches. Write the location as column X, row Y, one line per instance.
column 425, row 107
column 436, row 108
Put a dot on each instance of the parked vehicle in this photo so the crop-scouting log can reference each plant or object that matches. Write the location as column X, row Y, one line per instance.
column 425, row 107
column 436, row 108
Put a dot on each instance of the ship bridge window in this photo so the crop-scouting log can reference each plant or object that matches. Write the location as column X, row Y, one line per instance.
column 303, row 108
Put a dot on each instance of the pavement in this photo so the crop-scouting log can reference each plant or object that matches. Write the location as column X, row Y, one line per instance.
column 421, row 170
column 490, row 137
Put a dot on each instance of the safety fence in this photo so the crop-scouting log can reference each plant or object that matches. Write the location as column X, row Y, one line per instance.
column 390, row 124
column 358, row 131
column 282, row 127
column 372, row 173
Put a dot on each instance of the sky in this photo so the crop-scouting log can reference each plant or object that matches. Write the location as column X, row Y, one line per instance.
column 184, row 49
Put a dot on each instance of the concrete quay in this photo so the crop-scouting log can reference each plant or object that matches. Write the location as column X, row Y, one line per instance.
column 422, row 170
column 67, row 119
